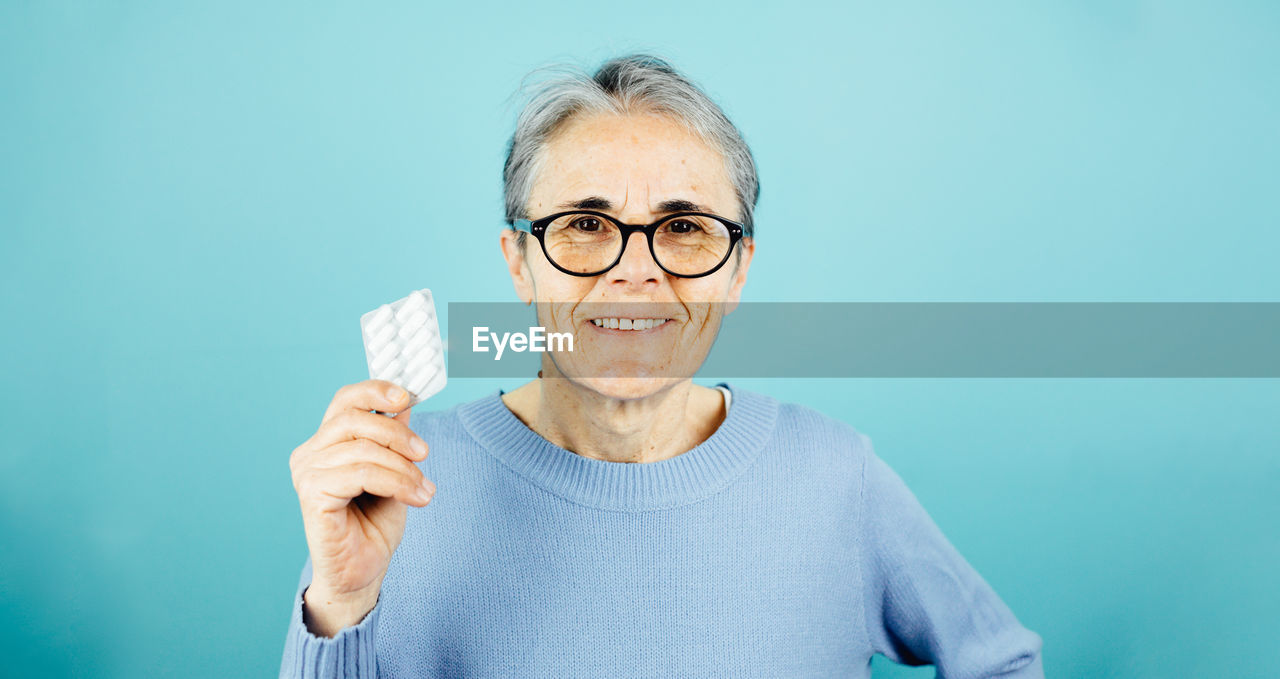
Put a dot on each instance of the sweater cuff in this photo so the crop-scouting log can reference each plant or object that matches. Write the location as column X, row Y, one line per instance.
column 1032, row 670
column 349, row 654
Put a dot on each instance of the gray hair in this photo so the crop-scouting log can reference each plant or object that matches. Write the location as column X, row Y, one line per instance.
column 633, row 83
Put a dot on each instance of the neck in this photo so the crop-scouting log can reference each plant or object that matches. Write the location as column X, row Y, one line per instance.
column 651, row 428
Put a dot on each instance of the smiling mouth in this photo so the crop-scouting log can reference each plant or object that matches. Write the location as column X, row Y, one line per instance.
column 629, row 323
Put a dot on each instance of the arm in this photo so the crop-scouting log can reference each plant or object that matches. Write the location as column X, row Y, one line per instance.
column 349, row 653
column 925, row 603
column 355, row 479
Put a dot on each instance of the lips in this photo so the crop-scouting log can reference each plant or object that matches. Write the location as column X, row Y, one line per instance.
column 624, row 323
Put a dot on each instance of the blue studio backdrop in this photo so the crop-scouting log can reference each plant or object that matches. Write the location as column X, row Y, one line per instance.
column 198, row 201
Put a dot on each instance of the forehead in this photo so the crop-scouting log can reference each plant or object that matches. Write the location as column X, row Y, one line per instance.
column 645, row 157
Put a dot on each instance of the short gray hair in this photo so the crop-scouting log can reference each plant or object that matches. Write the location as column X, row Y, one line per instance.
column 633, row 83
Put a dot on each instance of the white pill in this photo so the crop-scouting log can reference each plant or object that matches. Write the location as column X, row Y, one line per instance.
column 381, row 361
column 393, row 347
column 381, row 315
column 412, row 304
column 382, row 334
column 436, row 383
column 420, row 382
column 417, row 362
column 411, row 324
column 391, row 370
column 420, row 340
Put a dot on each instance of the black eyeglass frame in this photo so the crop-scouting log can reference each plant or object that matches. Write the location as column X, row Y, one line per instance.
column 538, row 227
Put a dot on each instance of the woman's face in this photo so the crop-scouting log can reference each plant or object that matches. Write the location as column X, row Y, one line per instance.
column 637, row 168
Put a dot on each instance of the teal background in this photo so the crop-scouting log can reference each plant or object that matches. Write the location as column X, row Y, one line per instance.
column 198, row 201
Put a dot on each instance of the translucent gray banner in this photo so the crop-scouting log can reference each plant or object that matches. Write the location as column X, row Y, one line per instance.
column 870, row 339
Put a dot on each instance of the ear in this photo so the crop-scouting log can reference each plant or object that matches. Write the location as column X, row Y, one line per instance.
column 516, row 265
column 748, row 246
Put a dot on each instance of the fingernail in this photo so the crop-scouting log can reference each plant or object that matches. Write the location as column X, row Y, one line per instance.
column 394, row 394
column 422, row 495
column 429, row 488
column 419, row 446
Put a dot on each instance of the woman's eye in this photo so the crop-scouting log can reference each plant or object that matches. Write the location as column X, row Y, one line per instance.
column 588, row 224
column 683, row 227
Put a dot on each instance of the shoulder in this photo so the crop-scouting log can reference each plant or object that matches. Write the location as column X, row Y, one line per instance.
column 809, row 439
column 799, row 423
column 802, row 421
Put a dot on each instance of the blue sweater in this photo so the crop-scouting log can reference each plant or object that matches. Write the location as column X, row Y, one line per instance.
column 782, row 546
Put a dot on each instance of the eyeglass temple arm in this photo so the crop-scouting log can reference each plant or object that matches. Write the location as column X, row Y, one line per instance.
column 525, row 225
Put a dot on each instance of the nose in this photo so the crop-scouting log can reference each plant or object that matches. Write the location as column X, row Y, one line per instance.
column 637, row 267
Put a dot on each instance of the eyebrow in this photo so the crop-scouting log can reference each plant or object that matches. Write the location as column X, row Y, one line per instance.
column 600, row 203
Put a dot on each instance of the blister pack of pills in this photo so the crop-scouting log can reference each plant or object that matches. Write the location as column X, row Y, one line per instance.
column 402, row 344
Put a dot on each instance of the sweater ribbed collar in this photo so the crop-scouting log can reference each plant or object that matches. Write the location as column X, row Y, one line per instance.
column 626, row 486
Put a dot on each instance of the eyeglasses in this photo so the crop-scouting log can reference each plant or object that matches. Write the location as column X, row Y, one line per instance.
column 587, row 243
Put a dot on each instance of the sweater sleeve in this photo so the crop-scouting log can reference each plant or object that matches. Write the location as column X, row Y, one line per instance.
column 925, row 604
column 350, row 653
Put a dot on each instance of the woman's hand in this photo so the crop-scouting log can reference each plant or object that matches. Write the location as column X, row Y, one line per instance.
column 354, row 478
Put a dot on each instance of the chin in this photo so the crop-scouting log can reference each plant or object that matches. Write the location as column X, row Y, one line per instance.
column 626, row 387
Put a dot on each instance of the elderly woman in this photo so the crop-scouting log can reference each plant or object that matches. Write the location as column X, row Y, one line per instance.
column 611, row 518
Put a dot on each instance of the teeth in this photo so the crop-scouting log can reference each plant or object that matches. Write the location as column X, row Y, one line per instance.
column 629, row 323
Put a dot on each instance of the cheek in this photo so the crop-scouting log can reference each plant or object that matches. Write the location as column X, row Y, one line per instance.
column 713, row 288
column 705, row 299
column 551, row 284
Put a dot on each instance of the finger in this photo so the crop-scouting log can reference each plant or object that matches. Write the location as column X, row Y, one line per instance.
column 334, row 488
column 363, row 450
column 367, row 395
column 351, row 425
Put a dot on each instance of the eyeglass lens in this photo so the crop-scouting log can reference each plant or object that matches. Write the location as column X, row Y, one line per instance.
column 687, row 245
